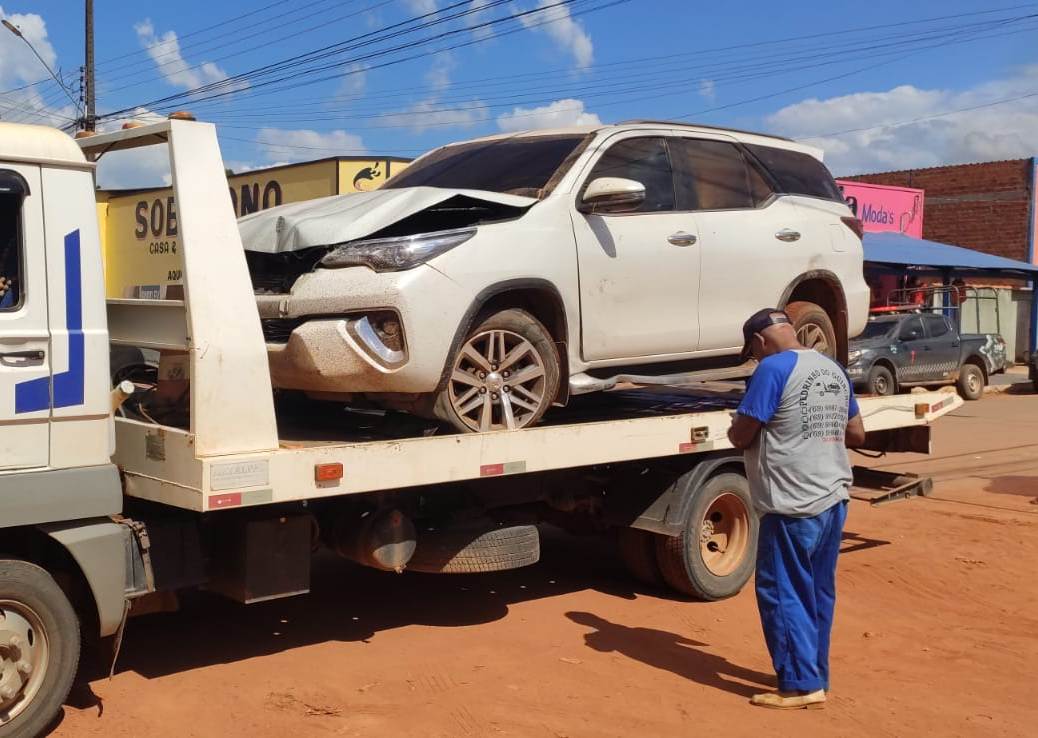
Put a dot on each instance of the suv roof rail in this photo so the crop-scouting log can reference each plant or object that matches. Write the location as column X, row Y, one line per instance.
column 646, row 121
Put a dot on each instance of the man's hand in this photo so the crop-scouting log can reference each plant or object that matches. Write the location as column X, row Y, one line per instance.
column 855, row 435
column 744, row 431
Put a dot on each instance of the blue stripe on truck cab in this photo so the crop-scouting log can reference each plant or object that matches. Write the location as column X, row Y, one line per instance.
column 35, row 394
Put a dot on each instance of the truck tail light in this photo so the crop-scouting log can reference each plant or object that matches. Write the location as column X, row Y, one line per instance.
column 855, row 225
column 327, row 472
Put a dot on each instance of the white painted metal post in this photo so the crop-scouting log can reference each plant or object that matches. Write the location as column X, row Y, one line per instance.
column 232, row 408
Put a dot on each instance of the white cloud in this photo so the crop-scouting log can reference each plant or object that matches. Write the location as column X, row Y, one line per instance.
column 559, row 114
column 421, row 7
column 567, row 33
column 356, row 79
column 477, row 16
column 426, row 114
column 19, row 68
column 165, row 51
column 707, row 89
column 1005, row 131
column 281, row 145
column 439, row 74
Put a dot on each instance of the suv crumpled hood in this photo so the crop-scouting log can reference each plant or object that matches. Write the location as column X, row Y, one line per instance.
column 342, row 218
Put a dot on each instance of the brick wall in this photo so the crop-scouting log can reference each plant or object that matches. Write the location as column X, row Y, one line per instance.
column 979, row 206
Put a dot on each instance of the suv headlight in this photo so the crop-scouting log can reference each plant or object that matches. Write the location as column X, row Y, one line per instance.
column 396, row 254
column 853, row 356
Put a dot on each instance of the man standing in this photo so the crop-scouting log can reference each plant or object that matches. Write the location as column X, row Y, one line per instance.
column 795, row 423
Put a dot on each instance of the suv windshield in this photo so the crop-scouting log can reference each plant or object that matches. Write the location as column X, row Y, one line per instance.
column 878, row 328
column 518, row 166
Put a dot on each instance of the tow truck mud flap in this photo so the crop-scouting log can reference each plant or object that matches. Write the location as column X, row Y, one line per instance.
column 879, row 487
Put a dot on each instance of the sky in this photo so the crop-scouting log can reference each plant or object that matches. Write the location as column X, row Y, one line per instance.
column 878, row 86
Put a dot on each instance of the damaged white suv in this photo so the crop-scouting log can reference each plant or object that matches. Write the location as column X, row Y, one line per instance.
column 496, row 277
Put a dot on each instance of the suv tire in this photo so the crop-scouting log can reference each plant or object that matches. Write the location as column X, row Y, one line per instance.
column 813, row 326
column 881, row 381
column 971, row 382
column 503, row 375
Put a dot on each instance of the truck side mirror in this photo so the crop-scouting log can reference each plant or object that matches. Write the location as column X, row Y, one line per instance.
column 612, row 195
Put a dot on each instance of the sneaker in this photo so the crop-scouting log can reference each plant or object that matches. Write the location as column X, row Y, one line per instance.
column 790, row 700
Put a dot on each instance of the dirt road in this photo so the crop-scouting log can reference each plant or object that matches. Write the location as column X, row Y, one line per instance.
column 936, row 635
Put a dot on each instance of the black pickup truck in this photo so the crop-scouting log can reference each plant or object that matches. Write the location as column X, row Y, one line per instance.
column 915, row 348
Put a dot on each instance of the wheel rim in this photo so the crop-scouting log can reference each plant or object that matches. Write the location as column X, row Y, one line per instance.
column 879, row 385
column 24, row 653
column 724, row 534
column 972, row 382
column 812, row 336
column 497, row 382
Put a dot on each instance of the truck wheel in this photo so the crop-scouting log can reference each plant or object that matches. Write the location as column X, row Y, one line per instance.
column 881, row 381
column 813, row 326
column 473, row 551
column 714, row 555
column 971, row 382
column 39, row 648
column 638, row 552
column 505, row 375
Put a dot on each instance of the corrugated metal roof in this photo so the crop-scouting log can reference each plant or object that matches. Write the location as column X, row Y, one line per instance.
column 20, row 142
column 897, row 248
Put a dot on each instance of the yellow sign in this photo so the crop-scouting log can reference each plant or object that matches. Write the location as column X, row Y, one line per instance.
column 139, row 229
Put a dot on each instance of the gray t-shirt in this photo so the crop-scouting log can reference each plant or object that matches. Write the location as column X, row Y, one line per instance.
column 798, row 464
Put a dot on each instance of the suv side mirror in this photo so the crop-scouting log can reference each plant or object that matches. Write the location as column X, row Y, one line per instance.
column 612, row 195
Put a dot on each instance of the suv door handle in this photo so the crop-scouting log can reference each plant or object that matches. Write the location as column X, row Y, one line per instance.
column 788, row 235
column 682, row 239
column 22, row 358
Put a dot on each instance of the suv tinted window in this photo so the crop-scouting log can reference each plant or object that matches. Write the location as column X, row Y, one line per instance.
column 796, row 173
column 936, row 326
column 714, row 175
column 910, row 325
column 12, row 192
column 644, row 160
column 521, row 166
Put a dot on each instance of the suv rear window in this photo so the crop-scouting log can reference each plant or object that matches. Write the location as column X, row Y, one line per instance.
column 714, row 175
column 797, row 173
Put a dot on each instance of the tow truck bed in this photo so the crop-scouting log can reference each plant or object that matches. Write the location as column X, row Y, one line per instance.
column 160, row 465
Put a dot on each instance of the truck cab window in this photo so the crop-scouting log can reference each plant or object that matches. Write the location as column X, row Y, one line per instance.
column 12, row 192
column 936, row 326
column 644, row 160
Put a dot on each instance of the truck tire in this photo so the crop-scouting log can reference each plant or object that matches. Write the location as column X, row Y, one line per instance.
column 971, row 382
column 476, row 550
column 881, row 381
column 38, row 627
column 637, row 550
column 714, row 555
column 814, row 327
column 483, row 393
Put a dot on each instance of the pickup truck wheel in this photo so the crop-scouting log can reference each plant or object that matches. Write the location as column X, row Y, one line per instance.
column 637, row 550
column 39, row 648
column 971, row 382
column 813, row 326
column 881, row 381
column 475, row 550
column 714, row 555
column 504, row 376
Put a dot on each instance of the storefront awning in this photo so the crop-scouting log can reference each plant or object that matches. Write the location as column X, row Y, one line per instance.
column 901, row 250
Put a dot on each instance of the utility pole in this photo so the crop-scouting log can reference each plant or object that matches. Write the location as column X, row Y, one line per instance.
column 89, row 117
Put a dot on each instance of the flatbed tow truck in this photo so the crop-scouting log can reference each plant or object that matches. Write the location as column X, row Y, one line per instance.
column 110, row 500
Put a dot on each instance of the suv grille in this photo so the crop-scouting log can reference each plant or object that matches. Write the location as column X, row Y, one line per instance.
column 277, row 330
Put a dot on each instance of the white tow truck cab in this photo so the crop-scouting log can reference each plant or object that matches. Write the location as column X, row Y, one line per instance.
column 203, row 479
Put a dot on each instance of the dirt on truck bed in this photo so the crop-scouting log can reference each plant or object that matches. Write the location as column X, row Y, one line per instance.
column 936, row 634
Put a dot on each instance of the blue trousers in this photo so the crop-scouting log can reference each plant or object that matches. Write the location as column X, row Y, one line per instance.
column 796, row 594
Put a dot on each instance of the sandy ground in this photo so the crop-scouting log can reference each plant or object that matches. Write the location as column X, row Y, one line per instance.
column 936, row 634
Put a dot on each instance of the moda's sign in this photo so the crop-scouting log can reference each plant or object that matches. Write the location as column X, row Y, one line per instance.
column 883, row 208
